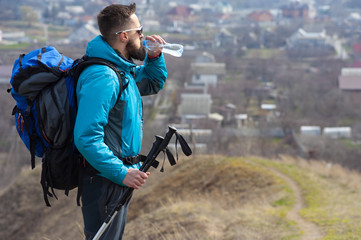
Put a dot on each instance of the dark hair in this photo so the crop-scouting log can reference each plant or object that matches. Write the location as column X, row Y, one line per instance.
column 114, row 18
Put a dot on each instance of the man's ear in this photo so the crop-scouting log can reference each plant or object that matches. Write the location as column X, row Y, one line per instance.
column 123, row 37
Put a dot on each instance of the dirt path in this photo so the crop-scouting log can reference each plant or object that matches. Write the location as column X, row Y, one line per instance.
column 310, row 231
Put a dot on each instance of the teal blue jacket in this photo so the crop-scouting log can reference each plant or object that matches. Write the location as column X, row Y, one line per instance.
column 108, row 128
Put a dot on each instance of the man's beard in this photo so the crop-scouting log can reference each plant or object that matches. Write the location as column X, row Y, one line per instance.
column 136, row 53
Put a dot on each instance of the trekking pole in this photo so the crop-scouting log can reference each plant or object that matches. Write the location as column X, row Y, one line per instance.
column 159, row 145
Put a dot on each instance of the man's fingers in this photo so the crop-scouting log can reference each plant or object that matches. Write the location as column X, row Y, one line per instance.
column 140, row 181
column 144, row 175
column 135, row 178
column 156, row 38
column 137, row 184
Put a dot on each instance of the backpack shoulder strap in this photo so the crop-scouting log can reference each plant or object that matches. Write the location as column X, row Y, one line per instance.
column 86, row 61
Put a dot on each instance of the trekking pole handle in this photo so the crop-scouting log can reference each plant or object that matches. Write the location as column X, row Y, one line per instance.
column 159, row 145
column 145, row 167
column 151, row 155
column 167, row 138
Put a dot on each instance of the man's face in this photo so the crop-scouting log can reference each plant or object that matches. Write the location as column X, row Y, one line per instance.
column 136, row 51
column 134, row 46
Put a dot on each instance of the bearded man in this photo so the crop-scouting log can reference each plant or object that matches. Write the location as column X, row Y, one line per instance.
column 108, row 130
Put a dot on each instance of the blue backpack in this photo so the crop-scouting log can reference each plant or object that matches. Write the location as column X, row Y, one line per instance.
column 44, row 88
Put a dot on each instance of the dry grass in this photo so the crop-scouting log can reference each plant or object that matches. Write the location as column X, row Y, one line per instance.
column 207, row 197
column 211, row 198
column 25, row 216
column 332, row 195
column 351, row 179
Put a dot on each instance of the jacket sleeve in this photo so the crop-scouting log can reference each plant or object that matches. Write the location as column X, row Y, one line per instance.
column 97, row 92
column 150, row 77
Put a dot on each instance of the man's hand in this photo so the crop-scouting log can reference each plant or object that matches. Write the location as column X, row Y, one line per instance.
column 135, row 178
column 155, row 38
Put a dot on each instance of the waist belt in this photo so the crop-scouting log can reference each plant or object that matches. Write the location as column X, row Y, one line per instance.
column 133, row 160
column 126, row 160
column 136, row 159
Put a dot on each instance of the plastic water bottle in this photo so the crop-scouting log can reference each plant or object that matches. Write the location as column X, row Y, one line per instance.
column 173, row 49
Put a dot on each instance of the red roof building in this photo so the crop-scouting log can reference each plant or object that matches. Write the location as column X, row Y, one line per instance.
column 260, row 16
column 181, row 13
column 295, row 10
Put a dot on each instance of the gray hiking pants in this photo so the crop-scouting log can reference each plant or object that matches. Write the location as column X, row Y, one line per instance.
column 99, row 197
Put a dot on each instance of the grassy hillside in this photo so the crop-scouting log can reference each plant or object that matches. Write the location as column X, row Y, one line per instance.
column 207, row 197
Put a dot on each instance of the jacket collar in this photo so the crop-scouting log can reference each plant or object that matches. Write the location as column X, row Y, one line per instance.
column 98, row 47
